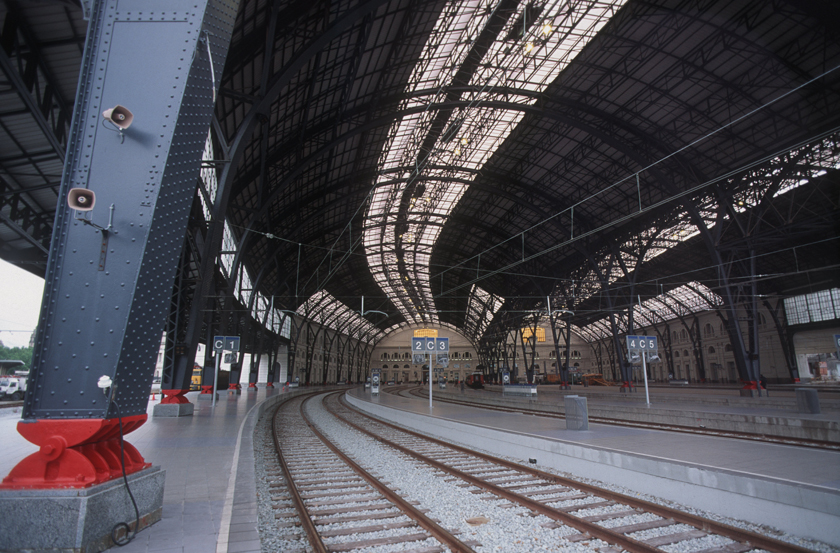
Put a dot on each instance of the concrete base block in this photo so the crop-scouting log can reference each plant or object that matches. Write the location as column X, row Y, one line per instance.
column 237, row 392
column 748, row 393
column 77, row 520
column 173, row 410
column 577, row 414
column 208, row 397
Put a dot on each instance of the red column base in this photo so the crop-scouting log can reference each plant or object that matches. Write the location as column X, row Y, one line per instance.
column 252, row 385
column 750, row 385
column 234, row 386
column 269, row 385
column 75, row 453
column 173, row 397
column 207, row 390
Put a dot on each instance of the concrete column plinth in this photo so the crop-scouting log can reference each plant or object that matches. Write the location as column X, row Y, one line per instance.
column 78, row 519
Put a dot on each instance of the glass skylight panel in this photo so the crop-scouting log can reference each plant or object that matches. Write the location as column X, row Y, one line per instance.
column 228, row 251
column 528, row 64
column 208, row 177
column 685, row 300
column 339, row 316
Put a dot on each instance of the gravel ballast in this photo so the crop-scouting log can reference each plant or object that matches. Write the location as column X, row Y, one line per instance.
column 509, row 528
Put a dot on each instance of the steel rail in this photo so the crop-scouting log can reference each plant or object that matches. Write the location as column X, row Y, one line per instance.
column 437, row 531
column 737, row 534
column 303, row 513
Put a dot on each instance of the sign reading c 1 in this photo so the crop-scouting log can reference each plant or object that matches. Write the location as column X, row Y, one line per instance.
column 226, row 343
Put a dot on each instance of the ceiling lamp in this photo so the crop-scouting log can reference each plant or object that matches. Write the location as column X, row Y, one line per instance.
column 547, row 29
column 529, row 46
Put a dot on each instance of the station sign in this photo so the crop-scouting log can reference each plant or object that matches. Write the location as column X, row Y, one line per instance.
column 442, row 345
column 642, row 343
column 226, row 343
column 429, row 345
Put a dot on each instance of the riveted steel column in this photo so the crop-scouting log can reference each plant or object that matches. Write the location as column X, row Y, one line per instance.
column 108, row 283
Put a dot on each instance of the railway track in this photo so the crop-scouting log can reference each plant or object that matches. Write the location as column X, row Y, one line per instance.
column 624, row 522
column 818, row 444
column 339, row 505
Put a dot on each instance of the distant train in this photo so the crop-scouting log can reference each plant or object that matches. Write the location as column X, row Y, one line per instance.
column 475, row 381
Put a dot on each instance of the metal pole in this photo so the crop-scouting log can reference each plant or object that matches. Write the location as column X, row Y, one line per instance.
column 216, row 378
column 644, row 376
column 430, row 381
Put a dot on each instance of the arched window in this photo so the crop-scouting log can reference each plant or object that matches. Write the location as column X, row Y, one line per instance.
column 708, row 330
column 467, row 355
column 552, row 355
column 406, row 366
column 685, row 353
column 676, row 353
column 728, row 347
column 536, row 355
column 683, row 335
column 385, row 366
column 711, row 349
column 675, row 336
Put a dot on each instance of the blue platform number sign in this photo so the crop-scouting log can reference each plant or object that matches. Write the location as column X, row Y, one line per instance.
column 442, row 345
column 219, row 343
column 642, row 343
column 430, row 345
column 226, row 343
column 232, row 343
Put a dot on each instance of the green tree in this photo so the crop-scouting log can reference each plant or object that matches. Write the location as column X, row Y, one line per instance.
column 20, row 354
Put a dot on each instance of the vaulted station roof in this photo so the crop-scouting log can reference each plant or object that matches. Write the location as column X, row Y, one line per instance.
column 458, row 163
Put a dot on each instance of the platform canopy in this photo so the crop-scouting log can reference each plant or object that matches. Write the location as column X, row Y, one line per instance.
column 463, row 163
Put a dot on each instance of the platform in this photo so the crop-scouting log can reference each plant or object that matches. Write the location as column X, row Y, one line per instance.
column 207, row 507
column 796, row 489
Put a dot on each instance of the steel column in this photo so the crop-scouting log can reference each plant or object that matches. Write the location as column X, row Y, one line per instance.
column 108, row 284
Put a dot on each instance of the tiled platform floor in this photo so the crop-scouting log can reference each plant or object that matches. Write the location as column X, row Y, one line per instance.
column 197, row 454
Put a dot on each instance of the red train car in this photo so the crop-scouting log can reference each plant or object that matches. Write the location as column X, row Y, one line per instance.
column 475, row 380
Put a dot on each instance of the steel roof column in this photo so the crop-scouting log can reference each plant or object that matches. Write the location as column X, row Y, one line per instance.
column 111, row 270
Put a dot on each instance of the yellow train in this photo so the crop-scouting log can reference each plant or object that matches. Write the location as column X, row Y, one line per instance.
column 195, row 380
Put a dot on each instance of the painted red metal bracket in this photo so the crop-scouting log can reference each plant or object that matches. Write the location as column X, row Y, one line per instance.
column 207, row 390
column 252, row 385
column 269, row 385
column 233, row 386
column 173, row 396
column 75, row 453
